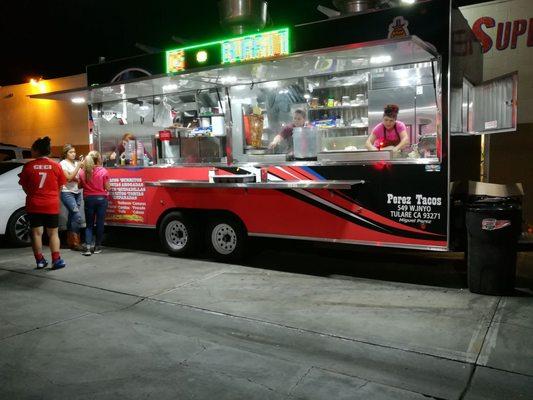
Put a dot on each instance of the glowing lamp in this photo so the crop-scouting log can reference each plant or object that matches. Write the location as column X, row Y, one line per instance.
column 201, row 56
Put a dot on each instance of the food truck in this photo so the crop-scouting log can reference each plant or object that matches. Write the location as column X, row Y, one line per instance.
column 202, row 142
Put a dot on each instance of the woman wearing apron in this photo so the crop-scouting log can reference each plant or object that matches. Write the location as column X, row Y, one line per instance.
column 390, row 134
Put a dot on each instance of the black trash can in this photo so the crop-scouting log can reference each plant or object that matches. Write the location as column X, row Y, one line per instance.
column 493, row 226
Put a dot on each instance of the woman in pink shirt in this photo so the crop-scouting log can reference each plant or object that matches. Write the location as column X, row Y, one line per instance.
column 390, row 134
column 95, row 182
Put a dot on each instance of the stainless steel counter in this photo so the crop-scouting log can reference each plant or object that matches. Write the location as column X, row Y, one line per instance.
column 367, row 156
column 279, row 185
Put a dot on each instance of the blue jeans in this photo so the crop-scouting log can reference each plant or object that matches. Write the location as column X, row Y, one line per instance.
column 72, row 203
column 95, row 209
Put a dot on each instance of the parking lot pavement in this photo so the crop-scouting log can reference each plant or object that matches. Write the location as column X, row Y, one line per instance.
column 136, row 324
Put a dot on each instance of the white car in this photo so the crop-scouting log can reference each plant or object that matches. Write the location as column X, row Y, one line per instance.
column 14, row 222
column 11, row 151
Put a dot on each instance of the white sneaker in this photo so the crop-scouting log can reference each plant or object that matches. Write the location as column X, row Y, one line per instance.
column 86, row 251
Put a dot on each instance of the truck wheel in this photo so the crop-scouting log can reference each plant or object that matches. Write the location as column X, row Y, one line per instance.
column 18, row 228
column 226, row 239
column 177, row 234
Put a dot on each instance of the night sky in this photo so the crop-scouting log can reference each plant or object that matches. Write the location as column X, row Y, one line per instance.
column 54, row 38
column 60, row 37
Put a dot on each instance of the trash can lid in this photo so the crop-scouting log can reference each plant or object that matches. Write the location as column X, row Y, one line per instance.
column 495, row 190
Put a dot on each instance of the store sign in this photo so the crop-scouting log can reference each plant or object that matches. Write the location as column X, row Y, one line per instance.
column 420, row 209
column 254, row 47
column 506, row 33
column 505, row 30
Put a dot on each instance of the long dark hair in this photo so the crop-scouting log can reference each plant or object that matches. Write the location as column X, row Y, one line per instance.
column 391, row 111
column 42, row 146
column 66, row 148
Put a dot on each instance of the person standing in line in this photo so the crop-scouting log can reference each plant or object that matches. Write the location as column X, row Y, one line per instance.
column 94, row 179
column 71, row 195
column 42, row 180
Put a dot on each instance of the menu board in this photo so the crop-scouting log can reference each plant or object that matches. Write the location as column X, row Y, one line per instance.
column 227, row 51
column 253, row 47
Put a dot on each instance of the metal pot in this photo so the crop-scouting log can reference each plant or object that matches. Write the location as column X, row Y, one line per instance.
column 353, row 6
column 305, row 142
column 240, row 16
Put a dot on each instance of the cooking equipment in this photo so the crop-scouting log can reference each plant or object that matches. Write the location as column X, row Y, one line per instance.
column 240, row 16
column 256, row 129
column 305, row 142
column 255, row 151
column 217, row 121
column 353, row 6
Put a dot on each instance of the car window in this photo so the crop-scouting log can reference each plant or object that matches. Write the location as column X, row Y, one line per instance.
column 7, row 155
column 6, row 167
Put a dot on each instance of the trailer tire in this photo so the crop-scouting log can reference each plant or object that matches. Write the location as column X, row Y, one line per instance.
column 226, row 239
column 178, row 235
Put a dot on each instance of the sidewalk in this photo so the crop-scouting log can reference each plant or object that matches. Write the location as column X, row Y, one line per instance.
column 136, row 324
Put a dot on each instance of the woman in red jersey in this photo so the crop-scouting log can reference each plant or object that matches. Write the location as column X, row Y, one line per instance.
column 42, row 180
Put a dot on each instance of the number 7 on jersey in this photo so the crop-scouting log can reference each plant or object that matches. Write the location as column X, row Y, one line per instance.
column 43, row 179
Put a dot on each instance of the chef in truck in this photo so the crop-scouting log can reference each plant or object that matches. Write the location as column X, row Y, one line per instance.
column 391, row 134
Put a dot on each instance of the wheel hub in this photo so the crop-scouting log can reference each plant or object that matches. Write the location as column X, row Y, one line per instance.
column 176, row 235
column 224, row 239
column 22, row 229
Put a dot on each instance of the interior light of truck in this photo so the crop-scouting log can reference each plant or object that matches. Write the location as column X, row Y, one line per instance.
column 380, row 59
column 78, row 100
column 408, row 1
column 225, row 80
column 404, row 73
column 170, row 87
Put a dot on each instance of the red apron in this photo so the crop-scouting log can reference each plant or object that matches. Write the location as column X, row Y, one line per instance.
column 386, row 142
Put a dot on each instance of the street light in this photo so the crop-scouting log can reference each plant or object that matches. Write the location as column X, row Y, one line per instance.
column 38, row 83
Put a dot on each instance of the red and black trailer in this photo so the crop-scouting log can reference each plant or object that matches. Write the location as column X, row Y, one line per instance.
column 214, row 154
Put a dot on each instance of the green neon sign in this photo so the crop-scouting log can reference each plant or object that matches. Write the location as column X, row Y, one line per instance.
column 252, row 47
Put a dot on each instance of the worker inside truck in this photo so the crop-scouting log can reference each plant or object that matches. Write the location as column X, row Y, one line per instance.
column 298, row 120
column 391, row 134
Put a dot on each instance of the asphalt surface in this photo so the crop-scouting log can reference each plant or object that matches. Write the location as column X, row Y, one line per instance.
column 294, row 321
